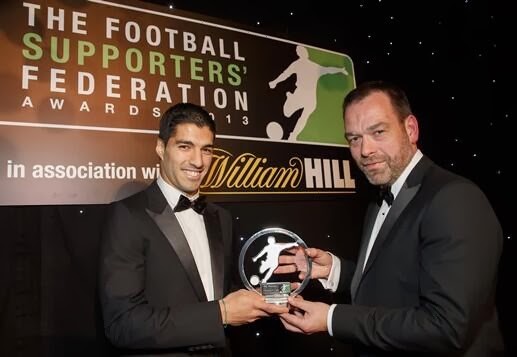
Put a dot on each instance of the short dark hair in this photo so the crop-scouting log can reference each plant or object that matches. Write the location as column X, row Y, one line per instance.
column 396, row 95
column 184, row 113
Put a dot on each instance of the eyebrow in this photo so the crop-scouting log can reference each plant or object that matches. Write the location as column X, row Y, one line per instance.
column 189, row 142
column 369, row 129
column 376, row 126
column 179, row 141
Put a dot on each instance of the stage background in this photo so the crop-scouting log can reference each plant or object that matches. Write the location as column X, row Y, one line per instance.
column 454, row 58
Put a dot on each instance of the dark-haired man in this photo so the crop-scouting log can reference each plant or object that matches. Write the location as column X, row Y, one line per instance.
column 425, row 280
column 166, row 254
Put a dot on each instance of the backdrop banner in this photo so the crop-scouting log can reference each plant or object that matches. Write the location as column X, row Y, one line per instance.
column 85, row 83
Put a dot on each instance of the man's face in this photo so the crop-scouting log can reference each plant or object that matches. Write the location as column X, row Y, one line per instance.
column 186, row 158
column 380, row 143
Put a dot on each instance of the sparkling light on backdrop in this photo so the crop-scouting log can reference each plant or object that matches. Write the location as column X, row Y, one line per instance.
column 454, row 59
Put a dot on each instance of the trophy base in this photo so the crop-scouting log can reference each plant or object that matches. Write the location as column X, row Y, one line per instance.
column 277, row 300
column 276, row 293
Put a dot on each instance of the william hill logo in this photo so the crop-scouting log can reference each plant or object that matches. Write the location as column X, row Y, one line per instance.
column 248, row 173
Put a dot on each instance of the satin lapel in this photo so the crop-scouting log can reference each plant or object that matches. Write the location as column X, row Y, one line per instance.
column 405, row 195
column 367, row 231
column 171, row 229
column 215, row 241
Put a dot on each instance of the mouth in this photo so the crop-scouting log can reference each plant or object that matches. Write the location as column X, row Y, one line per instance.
column 193, row 174
column 372, row 165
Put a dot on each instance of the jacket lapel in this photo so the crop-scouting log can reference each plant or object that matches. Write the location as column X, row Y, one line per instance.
column 406, row 194
column 163, row 215
column 215, row 241
column 368, row 226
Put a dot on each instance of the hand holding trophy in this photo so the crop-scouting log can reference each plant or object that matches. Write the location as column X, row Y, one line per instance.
column 260, row 257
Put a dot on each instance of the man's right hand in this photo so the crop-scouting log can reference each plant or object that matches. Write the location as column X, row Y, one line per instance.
column 244, row 306
column 321, row 263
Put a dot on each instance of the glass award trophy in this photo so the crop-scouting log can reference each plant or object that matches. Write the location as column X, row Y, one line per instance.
column 259, row 257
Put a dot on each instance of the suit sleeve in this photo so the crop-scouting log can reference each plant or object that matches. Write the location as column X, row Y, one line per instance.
column 460, row 245
column 345, row 276
column 130, row 321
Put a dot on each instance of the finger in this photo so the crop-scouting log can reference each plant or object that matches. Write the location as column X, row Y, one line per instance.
column 300, row 260
column 295, row 311
column 311, row 252
column 295, row 286
column 298, row 297
column 286, row 259
column 292, row 319
column 257, row 317
column 290, row 327
column 285, row 269
column 299, row 303
column 298, row 312
column 258, row 313
column 292, row 250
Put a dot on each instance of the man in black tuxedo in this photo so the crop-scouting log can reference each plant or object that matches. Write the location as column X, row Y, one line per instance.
column 165, row 263
column 426, row 275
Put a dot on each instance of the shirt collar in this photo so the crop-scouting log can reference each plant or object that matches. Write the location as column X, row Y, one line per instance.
column 397, row 185
column 171, row 193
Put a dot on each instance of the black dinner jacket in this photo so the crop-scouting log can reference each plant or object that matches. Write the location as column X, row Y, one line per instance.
column 151, row 294
column 428, row 286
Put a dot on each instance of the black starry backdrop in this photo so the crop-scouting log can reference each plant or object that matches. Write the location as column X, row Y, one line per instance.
column 454, row 59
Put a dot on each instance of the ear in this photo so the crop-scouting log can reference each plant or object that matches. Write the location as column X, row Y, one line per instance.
column 160, row 148
column 411, row 125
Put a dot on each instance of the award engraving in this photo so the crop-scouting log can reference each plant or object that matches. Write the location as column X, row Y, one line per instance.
column 259, row 257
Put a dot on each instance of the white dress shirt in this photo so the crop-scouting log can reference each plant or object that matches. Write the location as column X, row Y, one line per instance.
column 193, row 226
column 333, row 278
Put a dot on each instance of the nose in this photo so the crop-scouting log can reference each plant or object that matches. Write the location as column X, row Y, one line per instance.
column 367, row 146
column 196, row 159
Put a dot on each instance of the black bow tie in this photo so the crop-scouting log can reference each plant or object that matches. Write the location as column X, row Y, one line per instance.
column 197, row 205
column 385, row 194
